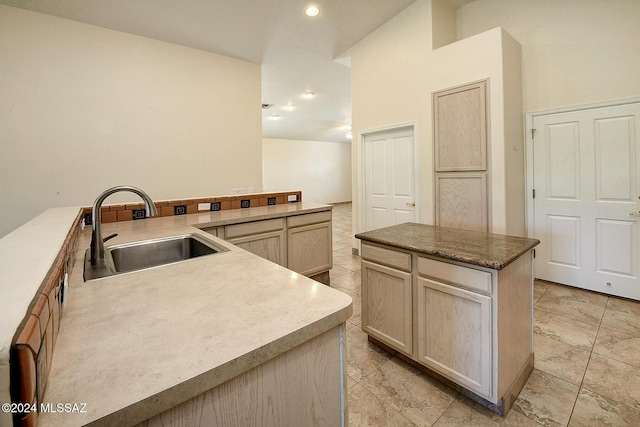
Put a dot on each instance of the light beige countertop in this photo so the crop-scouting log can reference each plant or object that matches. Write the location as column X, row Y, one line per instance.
column 134, row 345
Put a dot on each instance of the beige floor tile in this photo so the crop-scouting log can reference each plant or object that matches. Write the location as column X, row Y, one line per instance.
column 618, row 346
column 343, row 249
column 570, row 307
column 562, row 360
column 547, row 399
column 350, row 281
column 620, row 321
column 624, row 305
column 561, row 328
column 580, row 295
column 591, row 410
column 409, row 391
column 350, row 262
column 542, row 283
column 356, row 317
column 615, row 380
column 365, row 409
column 466, row 412
column 338, row 271
column 538, row 291
column 362, row 356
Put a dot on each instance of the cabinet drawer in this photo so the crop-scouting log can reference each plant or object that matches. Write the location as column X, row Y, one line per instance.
column 255, row 227
column 467, row 277
column 399, row 260
column 306, row 219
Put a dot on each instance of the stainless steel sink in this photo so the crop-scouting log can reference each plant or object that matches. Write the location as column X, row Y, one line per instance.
column 148, row 254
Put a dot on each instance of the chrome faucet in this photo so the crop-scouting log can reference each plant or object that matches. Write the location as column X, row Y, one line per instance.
column 97, row 243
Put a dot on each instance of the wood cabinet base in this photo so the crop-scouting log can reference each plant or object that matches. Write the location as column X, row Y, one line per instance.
column 305, row 386
column 504, row 404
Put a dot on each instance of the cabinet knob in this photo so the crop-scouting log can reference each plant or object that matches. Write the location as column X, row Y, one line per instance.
column 411, row 204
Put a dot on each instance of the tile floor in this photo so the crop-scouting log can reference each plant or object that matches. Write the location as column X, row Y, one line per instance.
column 587, row 362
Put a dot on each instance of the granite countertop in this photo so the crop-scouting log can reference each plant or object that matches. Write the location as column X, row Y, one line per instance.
column 133, row 345
column 494, row 251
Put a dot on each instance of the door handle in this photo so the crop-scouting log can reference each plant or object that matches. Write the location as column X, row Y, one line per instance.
column 414, row 203
column 635, row 213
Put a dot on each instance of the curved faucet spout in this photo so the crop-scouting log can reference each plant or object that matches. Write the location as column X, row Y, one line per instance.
column 97, row 244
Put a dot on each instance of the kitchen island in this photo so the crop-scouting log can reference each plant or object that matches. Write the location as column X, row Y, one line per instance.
column 456, row 303
column 224, row 339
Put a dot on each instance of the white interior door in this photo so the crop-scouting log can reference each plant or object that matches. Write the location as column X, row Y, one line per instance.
column 587, row 184
column 389, row 178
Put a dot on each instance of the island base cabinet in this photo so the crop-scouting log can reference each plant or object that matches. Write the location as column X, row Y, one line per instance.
column 454, row 334
column 305, row 386
column 386, row 305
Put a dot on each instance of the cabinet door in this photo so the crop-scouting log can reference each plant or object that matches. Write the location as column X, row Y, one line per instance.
column 309, row 248
column 454, row 334
column 462, row 201
column 460, row 128
column 386, row 305
column 271, row 246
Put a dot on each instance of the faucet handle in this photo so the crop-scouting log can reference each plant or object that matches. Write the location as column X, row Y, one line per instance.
column 109, row 237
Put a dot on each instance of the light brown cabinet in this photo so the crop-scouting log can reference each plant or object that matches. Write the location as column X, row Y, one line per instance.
column 470, row 325
column 309, row 243
column 460, row 117
column 302, row 243
column 454, row 334
column 386, row 297
column 266, row 239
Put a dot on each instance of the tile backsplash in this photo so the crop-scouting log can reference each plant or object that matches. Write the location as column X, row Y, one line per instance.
column 130, row 211
column 32, row 348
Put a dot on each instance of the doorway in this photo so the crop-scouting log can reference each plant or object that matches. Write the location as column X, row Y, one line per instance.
column 389, row 177
column 586, row 188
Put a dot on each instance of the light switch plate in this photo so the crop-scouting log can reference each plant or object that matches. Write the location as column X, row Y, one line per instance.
column 204, row 206
column 292, row 198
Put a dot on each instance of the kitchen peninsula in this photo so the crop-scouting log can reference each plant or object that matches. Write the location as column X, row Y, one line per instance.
column 226, row 338
column 457, row 303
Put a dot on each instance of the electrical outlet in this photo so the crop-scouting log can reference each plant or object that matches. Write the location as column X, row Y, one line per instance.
column 138, row 214
column 237, row 191
column 180, row 210
column 87, row 219
column 216, row 206
column 245, row 203
column 251, row 190
column 271, row 201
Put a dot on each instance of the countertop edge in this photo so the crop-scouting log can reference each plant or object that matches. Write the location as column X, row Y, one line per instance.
column 193, row 387
column 450, row 255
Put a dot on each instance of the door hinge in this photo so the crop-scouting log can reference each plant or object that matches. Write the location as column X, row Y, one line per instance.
column 533, row 132
column 534, row 193
column 534, row 253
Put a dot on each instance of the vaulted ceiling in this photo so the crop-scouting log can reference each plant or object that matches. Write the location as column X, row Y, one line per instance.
column 297, row 53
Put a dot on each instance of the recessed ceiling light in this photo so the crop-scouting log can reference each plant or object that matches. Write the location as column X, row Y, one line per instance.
column 290, row 107
column 275, row 117
column 312, row 11
column 308, row 95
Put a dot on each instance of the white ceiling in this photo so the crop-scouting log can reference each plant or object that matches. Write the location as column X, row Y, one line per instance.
column 297, row 53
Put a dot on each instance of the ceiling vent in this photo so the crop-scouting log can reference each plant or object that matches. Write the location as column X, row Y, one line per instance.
column 266, row 106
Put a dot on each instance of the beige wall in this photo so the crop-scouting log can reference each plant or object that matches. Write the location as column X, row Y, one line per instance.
column 394, row 73
column 573, row 51
column 322, row 170
column 84, row 108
